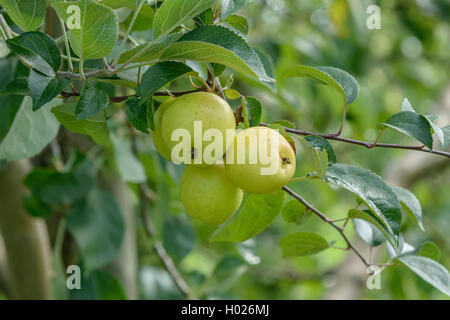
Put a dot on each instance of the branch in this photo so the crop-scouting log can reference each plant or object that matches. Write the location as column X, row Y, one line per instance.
column 157, row 245
column 368, row 145
column 66, row 94
column 322, row 216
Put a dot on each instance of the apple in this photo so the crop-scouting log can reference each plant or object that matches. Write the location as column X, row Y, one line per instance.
column 186, row 114
column 260, row 161
column 160, row 145
column 208, row 195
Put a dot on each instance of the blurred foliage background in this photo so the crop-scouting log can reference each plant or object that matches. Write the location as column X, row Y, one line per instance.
column 408, row 57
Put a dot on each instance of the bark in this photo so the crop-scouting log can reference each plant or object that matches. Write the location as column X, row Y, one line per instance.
column 25, row 238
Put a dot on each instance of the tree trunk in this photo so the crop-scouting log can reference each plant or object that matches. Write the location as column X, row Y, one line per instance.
column 25, row 238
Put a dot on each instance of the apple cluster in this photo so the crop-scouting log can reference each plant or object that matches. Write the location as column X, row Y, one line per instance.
column 212, row 193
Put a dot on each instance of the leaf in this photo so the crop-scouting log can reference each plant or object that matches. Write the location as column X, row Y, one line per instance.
column 130, row 169
column 231, row 6
column 92, row 101
column 446, row 131
column 30, row 132
column 27, row 14
column 152, row 50
column 368, row 232
column 254, row 111
column 17, row 86
column 256, row 214
column 43, row 89
column 36, row 208
column 413, row 125
column 173, row 13
column 410, row 204
column 95, row 126
column 338, row 79
column 295, row 212
column 178, row 237
column 406, row 106
column 238, row 23
column 98, row 228
column 221, row 45
column 206, row 17
column 55, row 188
column 403, row 248
column 231, row 93
column 158, row 75
column 322, row 143
column 98, row 285
column 429, row 270
column 320, row 157
column 375, row 193
column 137, row 114
column 157, row 284
column 98, row 30
column 302, row 244
column 144, row 19
column 370, row 217
column 430, row 250
column 38, row 50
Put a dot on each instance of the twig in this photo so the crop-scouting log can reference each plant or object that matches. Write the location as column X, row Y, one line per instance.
column 158, row 247
column 327, row 220
column 366, row 144
column 117, row 99
column 66, row 43
column 125, row 38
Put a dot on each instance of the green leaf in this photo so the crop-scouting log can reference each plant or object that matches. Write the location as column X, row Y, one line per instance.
column 372, row 190
column 256, row 214
column 206, row 17
column 269, row 67
column 27, row 14
column 254, row 111
column 446, row 131
column 43, row 89
column 157, row 284
column 413, row 125
column 295, row 212
column 137, row 114
column 98, row 31
column 95, row 126
column 38, row 50
column 117, row 4
column 231, row 6
column 30, row 131
column 218, row 44
column 232, row 94
column 144, row 19
column 320, row 157
column 368, row 232
column 98, row 228
column 302, row 244
column 410, row 204
column 130, row 169
column 92, row 101
column 152, row 50
column 55, row 188
column 36, row 207
column 158, row 75
column 98, row 285
column 430, row 250
column 370, row 217
column 239, row 23
column 429, row 270
column 178, row 237
column 173, row 13
column 17, row 86
column 406, row 106
column 338, row 79
column 322, row 144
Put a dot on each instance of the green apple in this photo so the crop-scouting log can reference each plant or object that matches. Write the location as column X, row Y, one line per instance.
column 208, row 195
column 160, row 145
column 207, row 113
column 260, row 160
